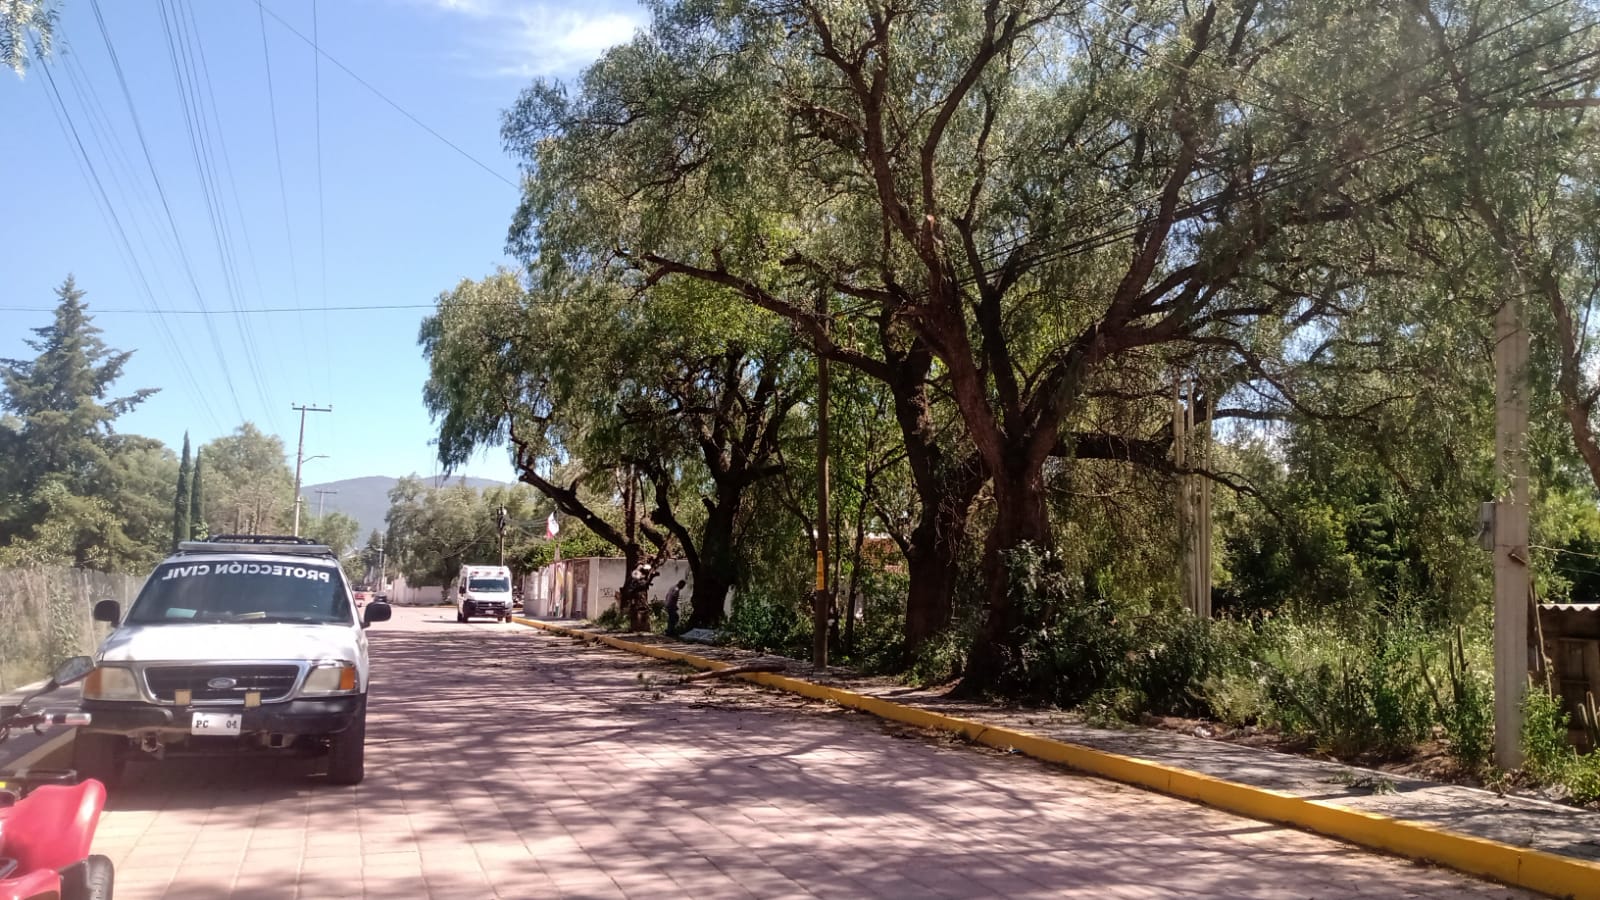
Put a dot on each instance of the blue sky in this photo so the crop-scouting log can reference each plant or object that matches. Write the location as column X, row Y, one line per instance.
column 402, row 216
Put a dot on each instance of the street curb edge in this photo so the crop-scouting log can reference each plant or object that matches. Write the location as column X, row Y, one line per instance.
column 1537, row 870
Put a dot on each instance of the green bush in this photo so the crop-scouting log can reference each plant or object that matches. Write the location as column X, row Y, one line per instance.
column 767, row 624
column 1546, row 755
column 1078, row 647
column 938, row 660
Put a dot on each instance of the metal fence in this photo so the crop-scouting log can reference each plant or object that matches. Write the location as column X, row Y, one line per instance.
column 45, row 617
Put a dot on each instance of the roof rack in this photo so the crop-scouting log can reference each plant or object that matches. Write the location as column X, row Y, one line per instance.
column 257, row 543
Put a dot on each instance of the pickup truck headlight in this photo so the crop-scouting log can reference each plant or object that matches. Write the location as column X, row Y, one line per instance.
column 111, row 683
column 331, row 678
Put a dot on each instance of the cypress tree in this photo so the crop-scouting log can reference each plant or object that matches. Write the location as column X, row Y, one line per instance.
column 180, row 501
column 197, row 517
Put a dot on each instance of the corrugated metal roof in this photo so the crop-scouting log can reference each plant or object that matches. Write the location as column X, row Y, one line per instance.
column 1571, row 607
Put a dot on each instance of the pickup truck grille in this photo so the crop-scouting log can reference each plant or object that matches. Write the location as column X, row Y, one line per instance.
column 274, row 682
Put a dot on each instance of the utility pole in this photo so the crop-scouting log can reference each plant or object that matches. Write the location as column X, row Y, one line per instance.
column 380, row 562
column 322, row 494
column 500, row 526
column 1510, row 528
column 820, row 601
column 300, row 457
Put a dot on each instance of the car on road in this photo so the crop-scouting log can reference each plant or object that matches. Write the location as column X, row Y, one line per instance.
column 483, row 591
column 239, row 644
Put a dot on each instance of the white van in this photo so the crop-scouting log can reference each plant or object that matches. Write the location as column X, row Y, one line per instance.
column 483, row 591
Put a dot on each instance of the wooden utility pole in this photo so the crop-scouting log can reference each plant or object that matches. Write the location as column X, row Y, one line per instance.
column 300, row 458
column 322, row 495
column 1511, row 577
column 820, row 604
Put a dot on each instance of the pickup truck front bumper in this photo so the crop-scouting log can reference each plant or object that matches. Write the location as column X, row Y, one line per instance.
column 319, row 716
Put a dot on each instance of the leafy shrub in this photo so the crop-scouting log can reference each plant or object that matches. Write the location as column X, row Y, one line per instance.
column 767, row 624
column 1545, row 751
column 612, row 619
column 1468, row 718
column 939, row 659
column 1078, row 645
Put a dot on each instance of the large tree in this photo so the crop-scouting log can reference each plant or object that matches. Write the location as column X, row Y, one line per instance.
column 57, row 472
column 250, row 486
column 1048, row 198
column 683, row 399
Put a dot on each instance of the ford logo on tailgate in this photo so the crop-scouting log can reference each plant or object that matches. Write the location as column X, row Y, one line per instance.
column 221, row 684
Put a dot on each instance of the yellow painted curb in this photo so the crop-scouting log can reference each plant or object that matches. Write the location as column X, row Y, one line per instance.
column 1537, row 870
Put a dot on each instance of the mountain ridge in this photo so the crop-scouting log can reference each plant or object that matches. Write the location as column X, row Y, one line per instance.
column 366, row 498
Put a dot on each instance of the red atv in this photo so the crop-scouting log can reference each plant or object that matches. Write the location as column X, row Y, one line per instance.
column 46, row 821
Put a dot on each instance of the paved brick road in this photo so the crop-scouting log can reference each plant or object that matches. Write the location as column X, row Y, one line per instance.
column 503, row 762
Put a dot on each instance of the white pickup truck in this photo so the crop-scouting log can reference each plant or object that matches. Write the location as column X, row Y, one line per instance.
column 240, row 644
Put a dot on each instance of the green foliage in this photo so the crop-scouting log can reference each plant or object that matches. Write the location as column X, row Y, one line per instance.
column 182, row 498
column 62, row 495
column 1546, row 753
column 769, row 624
column 250, row 485
column 27, row 29
column 197, row 506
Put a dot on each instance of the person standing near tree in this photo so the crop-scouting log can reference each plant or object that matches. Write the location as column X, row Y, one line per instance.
column 672, row 606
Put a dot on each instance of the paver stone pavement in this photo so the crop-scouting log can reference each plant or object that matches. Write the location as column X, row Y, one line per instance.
column 506, row 762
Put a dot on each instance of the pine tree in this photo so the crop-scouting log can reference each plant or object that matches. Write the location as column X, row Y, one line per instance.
column 180, row 501
column 197, row 517
column 59, row 495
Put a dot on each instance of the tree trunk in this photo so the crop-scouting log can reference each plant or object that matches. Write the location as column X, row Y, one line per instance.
column 717, row 569
column 634, row 598
column 933, row 562
column 1021, row 518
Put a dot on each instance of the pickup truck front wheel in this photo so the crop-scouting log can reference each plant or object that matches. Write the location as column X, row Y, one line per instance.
column 99, row 756
column 347, row 753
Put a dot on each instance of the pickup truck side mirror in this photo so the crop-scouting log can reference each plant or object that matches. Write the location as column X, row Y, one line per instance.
column 108, row 611
column 376, row 611
column 72, row 670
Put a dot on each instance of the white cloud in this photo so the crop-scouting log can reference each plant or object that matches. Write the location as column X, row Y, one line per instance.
column 522, row 39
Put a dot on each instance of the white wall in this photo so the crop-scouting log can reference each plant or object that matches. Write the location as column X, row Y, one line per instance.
column 403, row 594
column 585, row 588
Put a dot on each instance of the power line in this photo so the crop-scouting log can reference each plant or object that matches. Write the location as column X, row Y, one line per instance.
column 384, row 97
column 258, row 310
column 322, row 216
column 64, row 119
column 186, row 77
column 277, row 152
column 193, row 34
column 116, row 65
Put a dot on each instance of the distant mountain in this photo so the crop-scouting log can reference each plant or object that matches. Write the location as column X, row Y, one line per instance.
column 367, row 499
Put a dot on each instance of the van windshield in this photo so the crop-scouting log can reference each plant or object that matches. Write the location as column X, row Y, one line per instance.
column 489, row 585
column 242, row 592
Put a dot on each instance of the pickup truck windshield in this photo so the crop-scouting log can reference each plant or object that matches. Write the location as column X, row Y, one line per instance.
column 489, row 585
column 242, row 591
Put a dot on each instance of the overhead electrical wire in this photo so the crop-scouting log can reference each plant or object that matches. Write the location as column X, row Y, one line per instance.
column 322, row 216
column 384, row 97
column 131, row 258
column 277, row 152
column 186, row 78
column 127, row 94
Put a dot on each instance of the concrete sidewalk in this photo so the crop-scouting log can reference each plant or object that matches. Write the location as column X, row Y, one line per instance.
column 1514, row 820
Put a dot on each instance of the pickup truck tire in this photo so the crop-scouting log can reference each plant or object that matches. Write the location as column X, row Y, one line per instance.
column 347, row 753
column 99, row 756
column 91, row 881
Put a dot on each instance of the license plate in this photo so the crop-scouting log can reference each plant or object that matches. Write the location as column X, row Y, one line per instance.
column 215, row 723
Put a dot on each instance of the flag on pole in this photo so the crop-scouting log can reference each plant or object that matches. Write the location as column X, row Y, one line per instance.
column 551, row 527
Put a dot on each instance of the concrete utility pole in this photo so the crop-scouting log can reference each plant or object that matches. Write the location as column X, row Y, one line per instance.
column 500, row 522
column 322, row 494
column 821, row 602
column 300, row 458
column 1510, row 529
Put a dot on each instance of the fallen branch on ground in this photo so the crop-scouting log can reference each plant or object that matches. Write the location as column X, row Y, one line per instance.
column 757, row 666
